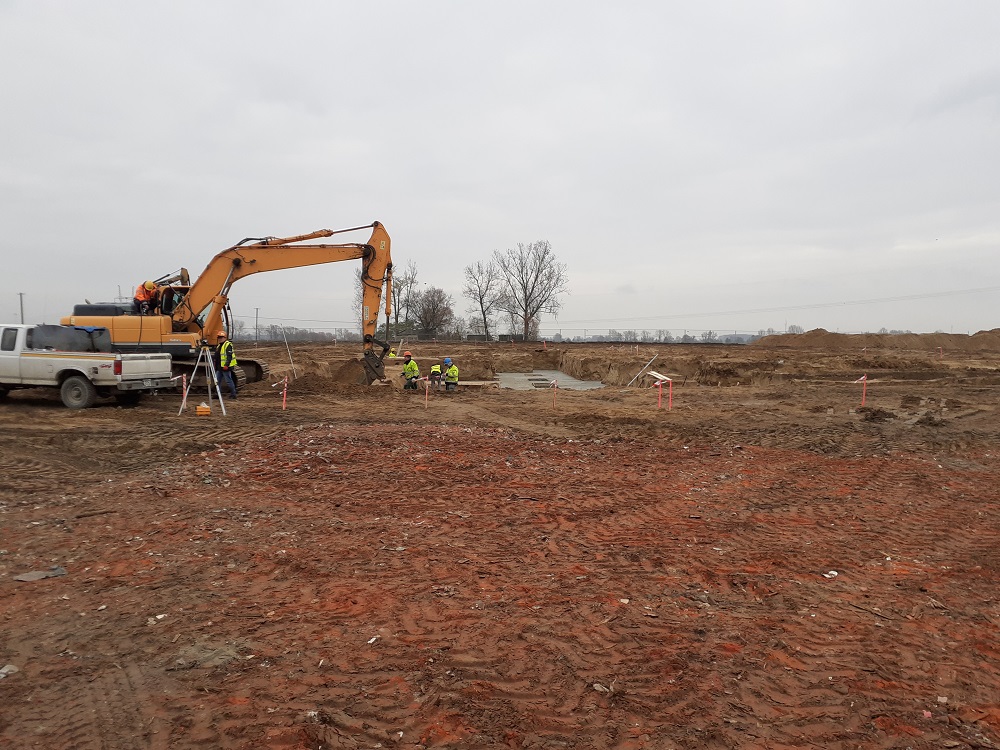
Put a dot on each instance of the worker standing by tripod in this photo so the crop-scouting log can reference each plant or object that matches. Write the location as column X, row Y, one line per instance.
column 226, row 358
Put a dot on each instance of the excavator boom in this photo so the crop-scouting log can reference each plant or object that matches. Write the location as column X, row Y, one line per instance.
column 206, row 299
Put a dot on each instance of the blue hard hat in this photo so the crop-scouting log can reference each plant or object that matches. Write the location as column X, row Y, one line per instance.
column 447, row 360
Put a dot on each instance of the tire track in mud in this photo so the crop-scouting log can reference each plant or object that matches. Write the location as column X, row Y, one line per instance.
column 566, row 669
column 70, row 457
column 478, row 588
column 823, row 656
column 100, row 708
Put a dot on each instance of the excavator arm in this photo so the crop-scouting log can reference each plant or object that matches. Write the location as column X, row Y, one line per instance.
column 200, row 307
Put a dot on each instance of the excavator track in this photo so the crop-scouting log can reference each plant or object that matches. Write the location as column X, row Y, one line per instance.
column 255, row 369
column 197, row 379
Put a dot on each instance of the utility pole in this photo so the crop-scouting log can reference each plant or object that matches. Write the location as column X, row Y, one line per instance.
column 256, row 329
column 21, row 295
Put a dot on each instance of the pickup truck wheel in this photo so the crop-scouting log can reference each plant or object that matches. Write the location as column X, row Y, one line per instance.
column 78, row 393
column 128, row 398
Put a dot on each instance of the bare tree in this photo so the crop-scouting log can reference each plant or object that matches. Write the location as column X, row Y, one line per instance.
column 359, row 300
column 532, row 283
column 460, row 328
column 432, row 310
column 484, row 288
column 403, row 293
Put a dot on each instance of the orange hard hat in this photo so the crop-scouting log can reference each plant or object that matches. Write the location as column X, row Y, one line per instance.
column 407, row 354
column 221, row 335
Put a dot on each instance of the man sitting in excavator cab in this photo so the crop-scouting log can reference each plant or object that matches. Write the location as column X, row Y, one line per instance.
column 146, row 298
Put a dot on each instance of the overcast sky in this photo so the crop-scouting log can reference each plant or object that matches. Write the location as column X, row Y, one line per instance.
column 711, row 165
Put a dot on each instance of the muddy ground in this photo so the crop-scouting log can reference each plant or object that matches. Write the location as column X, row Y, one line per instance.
column 765, row 565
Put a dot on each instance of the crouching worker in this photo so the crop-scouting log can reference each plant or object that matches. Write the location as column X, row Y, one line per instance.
column 435, row 377
column 411, row 372
column 450, row 375
column 145, row 299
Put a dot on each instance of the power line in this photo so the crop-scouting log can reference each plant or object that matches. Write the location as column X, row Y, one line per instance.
column 812, row 306
column 297, row 320
column 597, row 323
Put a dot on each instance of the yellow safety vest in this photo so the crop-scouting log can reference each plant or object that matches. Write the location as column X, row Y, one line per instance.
column 227, row 357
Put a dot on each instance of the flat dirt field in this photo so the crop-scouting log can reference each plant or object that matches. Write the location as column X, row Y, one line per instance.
column 765, row 565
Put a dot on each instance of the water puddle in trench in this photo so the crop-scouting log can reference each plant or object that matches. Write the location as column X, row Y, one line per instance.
column 541, row 379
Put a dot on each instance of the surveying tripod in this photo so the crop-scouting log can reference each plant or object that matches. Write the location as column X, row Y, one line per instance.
column 205, row 353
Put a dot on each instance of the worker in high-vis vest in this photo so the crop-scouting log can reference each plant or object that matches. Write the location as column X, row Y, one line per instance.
column 227, row 361
column 145, row 298
column 436, row 376
column 450, row 375
column 411, row 372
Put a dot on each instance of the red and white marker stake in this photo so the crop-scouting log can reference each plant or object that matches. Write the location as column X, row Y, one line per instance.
column 555, row 388
column 184, row 390
column 864, row 387
column 670, row 393
column 660, row 380
column 284, row 392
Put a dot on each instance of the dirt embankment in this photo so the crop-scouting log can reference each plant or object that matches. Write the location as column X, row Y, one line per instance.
column 773, row 359
column 819, row 338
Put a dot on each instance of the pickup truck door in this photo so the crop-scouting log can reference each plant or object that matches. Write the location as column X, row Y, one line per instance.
column 10, row 362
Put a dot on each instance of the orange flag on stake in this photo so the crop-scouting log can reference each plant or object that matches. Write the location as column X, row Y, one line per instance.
column 864, row 387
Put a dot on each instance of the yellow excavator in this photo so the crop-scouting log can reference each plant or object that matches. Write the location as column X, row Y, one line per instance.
column 188, row 316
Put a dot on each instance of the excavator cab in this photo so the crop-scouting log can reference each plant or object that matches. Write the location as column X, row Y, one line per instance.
column 170, row 297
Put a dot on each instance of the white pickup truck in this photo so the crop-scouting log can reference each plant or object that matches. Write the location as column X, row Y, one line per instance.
column 79, row 362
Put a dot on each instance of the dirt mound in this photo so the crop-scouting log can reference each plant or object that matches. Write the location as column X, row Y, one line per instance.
column 888, row 362
column 819, row 338
column 339, row 370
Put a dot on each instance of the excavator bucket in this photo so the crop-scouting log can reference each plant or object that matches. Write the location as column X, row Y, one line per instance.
column 374, row 367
